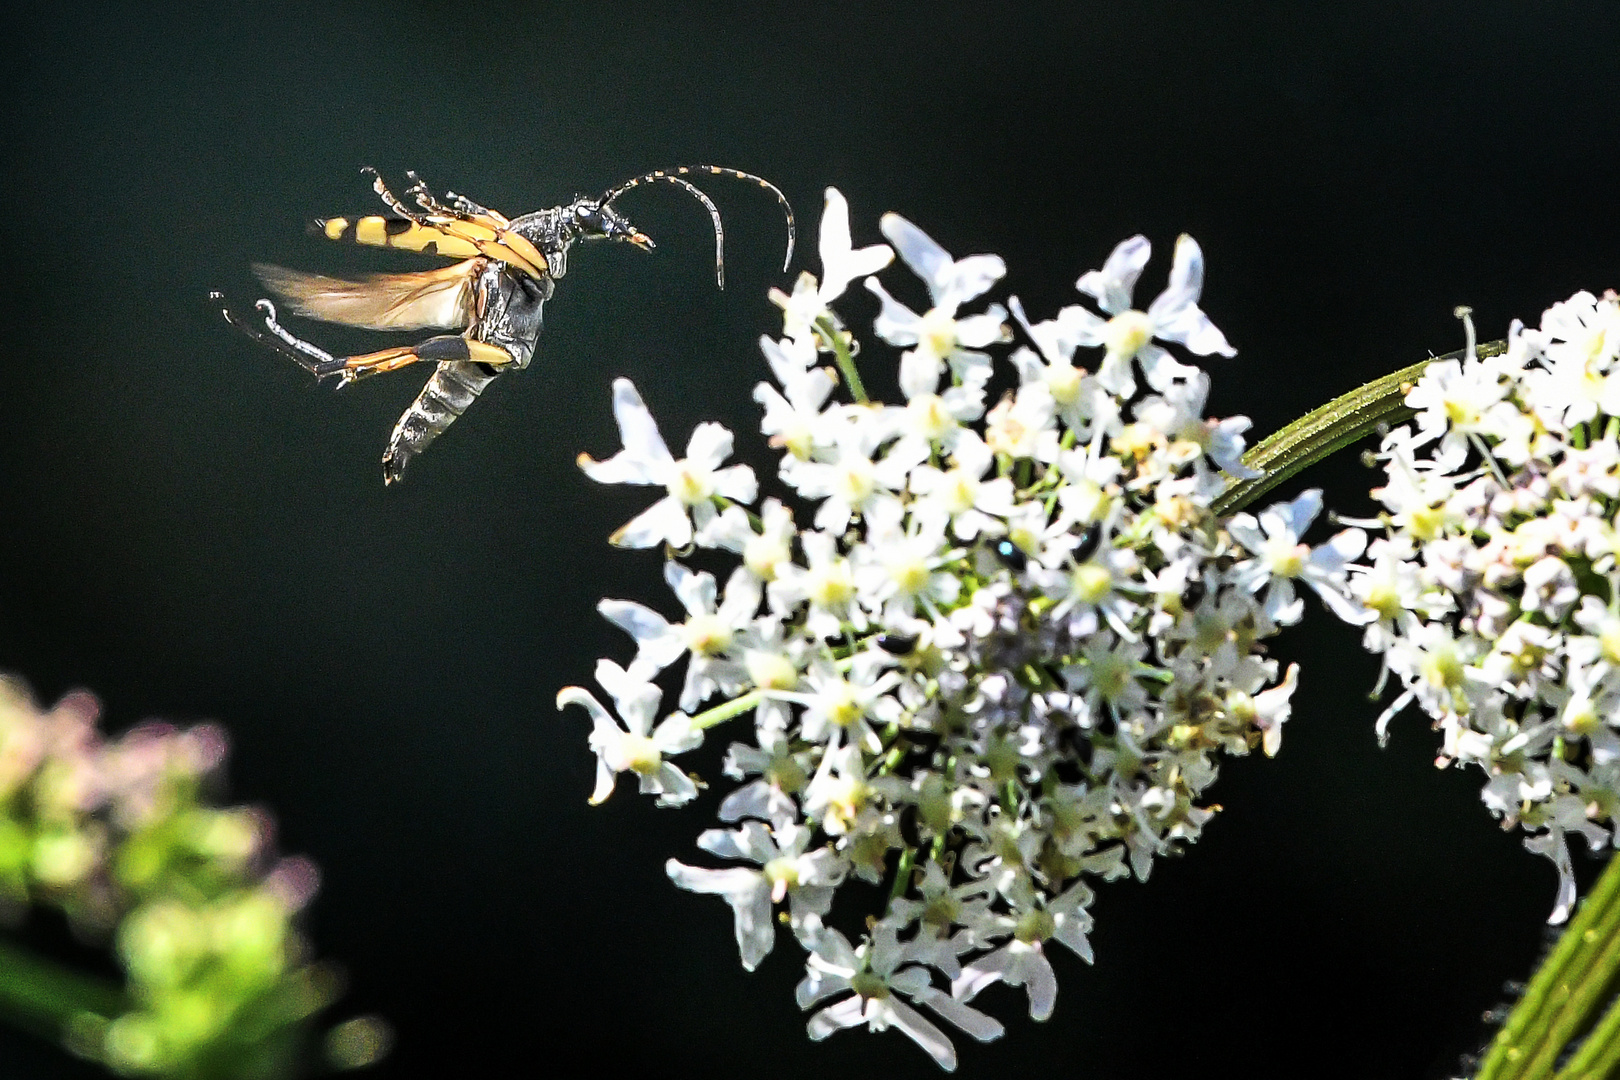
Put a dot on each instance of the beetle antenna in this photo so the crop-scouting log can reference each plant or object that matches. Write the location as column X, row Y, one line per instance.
column 781, row 200
column 718, row 170
column 666, row 177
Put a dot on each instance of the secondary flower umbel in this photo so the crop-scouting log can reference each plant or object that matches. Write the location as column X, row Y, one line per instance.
column 1493, row 586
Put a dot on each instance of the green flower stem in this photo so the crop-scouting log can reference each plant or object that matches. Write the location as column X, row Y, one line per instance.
column 846, row 359
column 902, row 874
column 42, row 996
column 1341, row 422
column 708, row 718
column 1564, row 996
column 1599, row 1055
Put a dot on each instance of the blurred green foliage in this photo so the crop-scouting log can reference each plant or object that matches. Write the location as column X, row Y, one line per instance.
column 201, row 912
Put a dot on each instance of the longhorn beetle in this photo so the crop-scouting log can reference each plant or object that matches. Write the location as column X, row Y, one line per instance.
column 506, row 270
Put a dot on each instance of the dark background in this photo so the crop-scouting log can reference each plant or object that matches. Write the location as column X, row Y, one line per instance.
column 194, row 530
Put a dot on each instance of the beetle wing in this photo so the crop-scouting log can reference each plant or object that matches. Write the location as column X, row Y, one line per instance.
column 434, row 298
column 395, row 232
column 437, row 234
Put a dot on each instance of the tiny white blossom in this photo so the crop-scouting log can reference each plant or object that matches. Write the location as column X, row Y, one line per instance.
column 1281, row 559
column 1173, row 316
column 875, row 975
column 787, row 872
column 638, row 747
column 692, row 483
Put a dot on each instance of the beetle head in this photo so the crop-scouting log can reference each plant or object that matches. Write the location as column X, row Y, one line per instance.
column 595, row 219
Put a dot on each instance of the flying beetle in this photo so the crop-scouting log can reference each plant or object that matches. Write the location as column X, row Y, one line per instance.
column 505, row 271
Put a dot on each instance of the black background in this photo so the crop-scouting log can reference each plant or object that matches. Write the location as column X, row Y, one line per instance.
column 194, row 530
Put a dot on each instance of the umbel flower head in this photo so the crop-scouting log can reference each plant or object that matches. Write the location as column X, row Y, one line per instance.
column 990, row 653
column 1493, row 584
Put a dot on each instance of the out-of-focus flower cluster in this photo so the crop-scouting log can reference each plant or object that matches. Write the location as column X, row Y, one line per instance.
column 990, row 655
column 1494, row 580
column 118, row 836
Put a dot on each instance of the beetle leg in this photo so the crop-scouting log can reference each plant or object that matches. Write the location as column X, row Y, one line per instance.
column 433, row 350
column 389, row 199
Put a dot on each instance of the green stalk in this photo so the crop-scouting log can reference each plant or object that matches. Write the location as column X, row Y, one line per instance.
column 1565, row 996
column 726, row 710
column 846, row 360
column 1599, row 1055
column 1345, row 420
column 42, row 996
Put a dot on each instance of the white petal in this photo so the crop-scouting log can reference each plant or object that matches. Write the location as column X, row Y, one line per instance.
column 926, row 259
column 1072, row 933
column 982, row 1027
column 969, row 278
column 665, row 521
column 709, row 445
column 675, row 788
column 604, row 783
column 1113, row 284
column 695, row 590
column 1041, row 981
column 637, row 429
column 977, row 331
column 657, row 643
column 845, row 1014
column 751, row 842
column 895, row 323
column 749, row 895
column 840, row 264
column 987, row 969
column 676, row 735
column 1163, row 371
column 1048, row 336
column 1175, row 313
column 1302, row 511
column 735, row 482
column 755, row 800
column 622, row 468
column 923, row 1033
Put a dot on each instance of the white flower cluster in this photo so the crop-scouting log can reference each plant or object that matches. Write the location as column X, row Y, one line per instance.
column 1494, row 580
column 1000, row 658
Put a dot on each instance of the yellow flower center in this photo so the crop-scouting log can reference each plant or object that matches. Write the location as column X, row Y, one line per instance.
column 844, row 801
column 763, row 554
column 843, row 704
column 771, row 670
column 1286, row 560
column 1006, row 432
column 936, row 333
column 1127, row 332
column 832, row 585
column 1426, row 522
column 1064, row 380
column 1087, row 501
column 910, row 575
column 688, row 487
column 928, row 417
column 1582, row 718
column 1443, row 667
column 1609, row 639
column 959, row 491
column 1091, row 583
column 707, row 635
column 855, row 481
column 634, row 753
column 1034, row 926
column 782, row 871
column 797, row 438
column 1384, row 599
